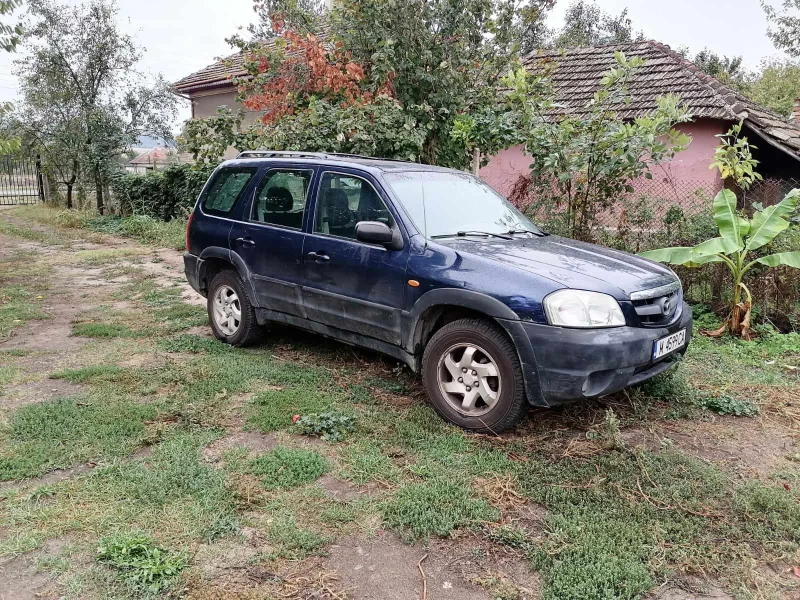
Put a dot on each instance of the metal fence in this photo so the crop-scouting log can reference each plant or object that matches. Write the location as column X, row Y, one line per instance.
column 664, row 212
column 21, row 180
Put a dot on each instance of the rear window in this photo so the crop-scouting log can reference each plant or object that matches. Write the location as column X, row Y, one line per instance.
column 226, row 188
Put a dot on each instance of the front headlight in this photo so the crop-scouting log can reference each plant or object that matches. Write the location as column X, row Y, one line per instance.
column 578, row 308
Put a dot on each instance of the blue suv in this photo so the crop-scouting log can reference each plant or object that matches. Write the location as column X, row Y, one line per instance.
column 434, row 268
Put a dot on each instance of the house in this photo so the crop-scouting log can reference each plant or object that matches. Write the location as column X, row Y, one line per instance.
column 713, row 106
column 156, row 159
column 211, row 87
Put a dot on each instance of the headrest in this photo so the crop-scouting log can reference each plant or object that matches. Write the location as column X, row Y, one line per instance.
column 279, row 198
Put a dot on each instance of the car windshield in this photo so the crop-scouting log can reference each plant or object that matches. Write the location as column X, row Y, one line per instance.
column 443, row 204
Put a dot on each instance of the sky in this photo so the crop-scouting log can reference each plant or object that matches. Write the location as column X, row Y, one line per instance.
column 183, row 36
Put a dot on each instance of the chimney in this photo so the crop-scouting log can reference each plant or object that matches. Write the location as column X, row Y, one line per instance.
column 796, row 110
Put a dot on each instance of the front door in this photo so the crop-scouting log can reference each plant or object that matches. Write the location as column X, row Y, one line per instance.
column 348, row 284
column 270, row 238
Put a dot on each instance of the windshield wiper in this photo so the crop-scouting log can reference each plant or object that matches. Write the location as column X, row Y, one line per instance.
column 516, row 231
column 467, row 233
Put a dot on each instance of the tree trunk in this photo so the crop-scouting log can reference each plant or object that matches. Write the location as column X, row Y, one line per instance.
column 98, row 186
column 69, row 195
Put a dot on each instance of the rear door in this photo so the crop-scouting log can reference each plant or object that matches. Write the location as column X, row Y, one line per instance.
column 348, row 284
column 269, row 238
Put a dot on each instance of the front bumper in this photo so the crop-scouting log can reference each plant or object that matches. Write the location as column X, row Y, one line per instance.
column 569, row 364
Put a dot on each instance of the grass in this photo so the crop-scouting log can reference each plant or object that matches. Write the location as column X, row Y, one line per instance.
column 64, row 432
column 104, row 330
column 285, row 468
column 435, row 507
column 140, row 228
column 17, row 307
column 615, row 521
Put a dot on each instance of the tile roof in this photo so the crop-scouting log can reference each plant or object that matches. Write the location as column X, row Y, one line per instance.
column 215, row 75
column 578, row 72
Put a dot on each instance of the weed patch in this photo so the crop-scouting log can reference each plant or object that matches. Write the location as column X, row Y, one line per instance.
column 330, row 426
column 141, row 563
column 285, row 468
column 435, row 507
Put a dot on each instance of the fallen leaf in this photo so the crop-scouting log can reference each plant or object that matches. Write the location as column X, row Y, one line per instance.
column 787, row 487
column 295, row 418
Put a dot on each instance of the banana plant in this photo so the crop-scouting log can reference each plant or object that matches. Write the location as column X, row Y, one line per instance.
column 738, row 237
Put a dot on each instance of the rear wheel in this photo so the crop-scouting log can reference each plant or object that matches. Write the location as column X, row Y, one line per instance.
column 473, row 377
column 232, row 317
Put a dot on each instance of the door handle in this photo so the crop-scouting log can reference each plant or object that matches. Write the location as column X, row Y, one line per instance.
column 246, row 241
column 319, row 257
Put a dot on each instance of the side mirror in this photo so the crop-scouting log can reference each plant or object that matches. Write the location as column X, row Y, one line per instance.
column 375, row 232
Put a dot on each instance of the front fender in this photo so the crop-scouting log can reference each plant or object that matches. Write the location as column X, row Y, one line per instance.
column 484, row 304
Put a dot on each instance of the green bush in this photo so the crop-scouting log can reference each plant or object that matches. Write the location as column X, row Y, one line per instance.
column 163, row 195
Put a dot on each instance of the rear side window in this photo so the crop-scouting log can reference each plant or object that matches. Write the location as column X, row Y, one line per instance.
column 226, row 188
column 281, row 198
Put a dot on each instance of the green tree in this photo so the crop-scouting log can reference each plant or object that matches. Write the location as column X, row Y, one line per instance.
column 585, row 24
column 785, row 30
column 79, row 79
column 777, row 85
column 10, row 34
column 727, row 69
column 412, row 67
column 9, row 38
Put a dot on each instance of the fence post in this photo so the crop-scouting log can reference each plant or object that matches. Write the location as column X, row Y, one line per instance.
column 40, row 179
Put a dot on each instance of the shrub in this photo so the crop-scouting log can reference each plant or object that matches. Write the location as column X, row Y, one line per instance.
column 162, row 194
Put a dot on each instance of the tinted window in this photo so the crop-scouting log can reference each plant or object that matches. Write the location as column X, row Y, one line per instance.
column 281, row 198
column 226, row 188
column 345, row 200
column 442, row 203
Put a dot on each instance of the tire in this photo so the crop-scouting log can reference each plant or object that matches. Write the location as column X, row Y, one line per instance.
column 243, row 331
column 482, row 402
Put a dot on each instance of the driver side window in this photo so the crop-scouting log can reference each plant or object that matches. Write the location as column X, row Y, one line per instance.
column 344, row 201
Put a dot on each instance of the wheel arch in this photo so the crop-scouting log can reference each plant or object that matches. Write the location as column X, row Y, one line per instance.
column 214, row 260
column 437, row 308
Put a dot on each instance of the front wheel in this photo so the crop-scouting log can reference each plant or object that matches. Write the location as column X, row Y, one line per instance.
column 472, row 374
column 232, row 317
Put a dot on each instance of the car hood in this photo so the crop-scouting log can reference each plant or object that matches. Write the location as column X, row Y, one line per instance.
column 569, row 262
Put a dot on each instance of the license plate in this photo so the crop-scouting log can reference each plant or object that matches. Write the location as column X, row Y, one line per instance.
column 669, row 344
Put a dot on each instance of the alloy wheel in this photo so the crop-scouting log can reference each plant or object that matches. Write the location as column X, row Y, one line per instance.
column 227, row 310
column 469, row 379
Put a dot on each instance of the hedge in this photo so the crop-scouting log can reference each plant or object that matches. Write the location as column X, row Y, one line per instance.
column 164, row 194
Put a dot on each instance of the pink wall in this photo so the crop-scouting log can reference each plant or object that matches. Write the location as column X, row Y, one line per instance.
column 688, row 170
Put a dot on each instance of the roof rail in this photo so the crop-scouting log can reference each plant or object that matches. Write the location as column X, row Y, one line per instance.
column 280, row 153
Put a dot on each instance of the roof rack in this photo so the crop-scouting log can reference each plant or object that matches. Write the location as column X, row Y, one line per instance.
column 295, row 154
column 280, row 153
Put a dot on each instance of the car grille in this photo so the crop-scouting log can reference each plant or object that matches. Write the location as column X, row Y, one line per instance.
column 658, row 306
